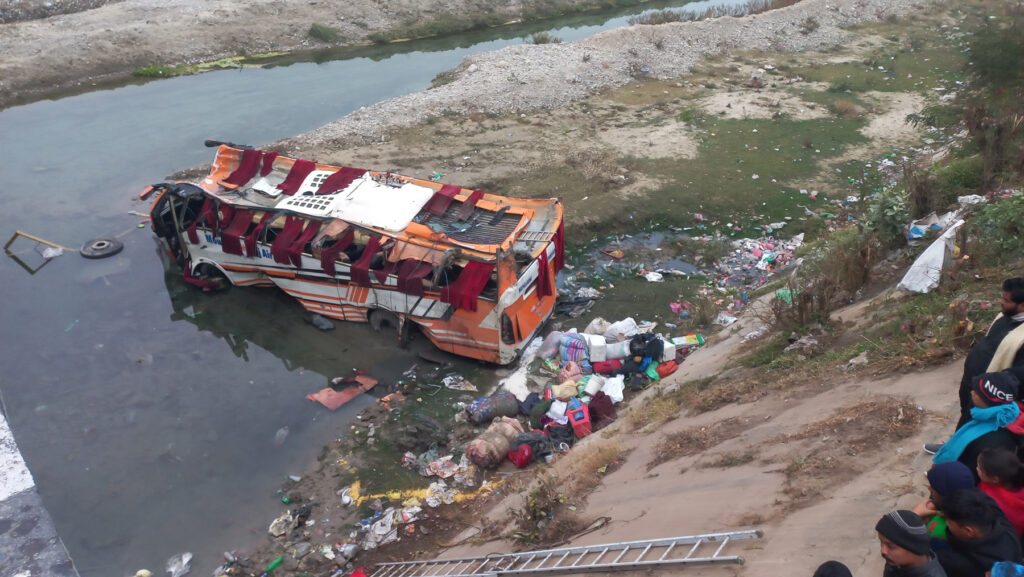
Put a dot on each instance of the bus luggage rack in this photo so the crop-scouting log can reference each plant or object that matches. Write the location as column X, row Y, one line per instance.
column 704, row 549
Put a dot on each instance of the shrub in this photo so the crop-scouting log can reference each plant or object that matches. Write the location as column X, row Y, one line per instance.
column 888, row 216
column 325, row 33
column 998, row 231
column 847, row 108
column 545, row 38
column 810, row 24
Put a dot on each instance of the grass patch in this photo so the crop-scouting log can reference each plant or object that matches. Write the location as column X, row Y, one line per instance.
column 544, row 38
column 665, row 407
column 729, row 460
column 325, row 33
column 695, row 440
column 545, row 515
column 159, row 71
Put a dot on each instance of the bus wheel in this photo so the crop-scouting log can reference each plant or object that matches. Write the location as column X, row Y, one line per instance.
column 379, row 319
column 101, row 248
column 212, row 277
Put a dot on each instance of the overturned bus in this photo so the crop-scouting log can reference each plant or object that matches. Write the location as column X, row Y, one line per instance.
column 474, row 272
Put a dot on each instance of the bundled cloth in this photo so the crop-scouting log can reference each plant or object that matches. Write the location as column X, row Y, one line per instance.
column 573, row 348
column 485, row 409
column 570, row 372
column 491, row 447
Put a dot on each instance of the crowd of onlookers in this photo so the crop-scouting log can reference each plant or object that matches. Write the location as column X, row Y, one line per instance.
column 972, row 522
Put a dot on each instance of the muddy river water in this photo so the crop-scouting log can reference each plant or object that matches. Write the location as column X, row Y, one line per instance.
column 157, row 419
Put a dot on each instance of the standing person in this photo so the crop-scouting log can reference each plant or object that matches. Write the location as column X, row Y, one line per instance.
column 1002, row 478
column 979, row 535
column 1001, row 348
column 993, row 396
column 904, row 544
column 943, row 479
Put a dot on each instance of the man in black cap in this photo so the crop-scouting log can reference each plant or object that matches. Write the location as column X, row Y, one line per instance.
column 979, row 535
column 1002, row 348
column 905, row 546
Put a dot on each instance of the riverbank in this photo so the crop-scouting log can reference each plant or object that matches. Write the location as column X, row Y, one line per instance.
column 52, row 48
column 648, row 150
column 601, row 123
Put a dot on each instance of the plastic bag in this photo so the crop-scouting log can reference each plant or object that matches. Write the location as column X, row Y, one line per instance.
column 549, row 348
column 598, row 326
column 620, row 330
column 614, row 387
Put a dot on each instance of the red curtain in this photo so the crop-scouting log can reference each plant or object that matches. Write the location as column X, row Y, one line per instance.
column 543, row 275
column 340, row 179
column 300, row 170
column 361, row 268
column 246, row 168
column 468, row 204
column 231, row 238
column 295, row 250
column 411, row 273
column 284, row 239
column 442, row 199
column 204, row 214
column 330, row 254
column 462, row 293
column 268, row 163
column 250, row 239
column 559, row 238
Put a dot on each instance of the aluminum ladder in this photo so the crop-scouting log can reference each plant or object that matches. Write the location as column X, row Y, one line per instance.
column 629, row 556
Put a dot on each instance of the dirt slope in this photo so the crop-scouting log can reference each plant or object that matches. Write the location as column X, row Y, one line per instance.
column 824, row 469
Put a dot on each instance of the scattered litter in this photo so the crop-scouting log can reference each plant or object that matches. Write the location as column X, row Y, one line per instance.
column 178, row 564
column 756, row 333
column 282, row 524
column 438, row 492
column 614, row 253
column 458, row 383
column 654, row 277
column 724, row 319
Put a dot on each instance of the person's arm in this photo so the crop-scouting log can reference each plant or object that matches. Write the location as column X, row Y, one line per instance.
column 925, row 509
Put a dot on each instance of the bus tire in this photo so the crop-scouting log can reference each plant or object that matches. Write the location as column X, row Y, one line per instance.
column 380, row 318
column 101, row 248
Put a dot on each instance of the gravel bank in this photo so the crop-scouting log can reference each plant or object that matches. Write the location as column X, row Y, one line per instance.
column 535, row 77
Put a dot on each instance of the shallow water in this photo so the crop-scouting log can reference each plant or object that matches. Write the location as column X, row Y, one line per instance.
column 145, row 409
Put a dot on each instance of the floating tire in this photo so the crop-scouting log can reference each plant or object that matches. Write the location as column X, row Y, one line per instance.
column 101, row 248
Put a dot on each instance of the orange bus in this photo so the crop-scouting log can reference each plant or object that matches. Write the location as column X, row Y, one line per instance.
column 474, row 272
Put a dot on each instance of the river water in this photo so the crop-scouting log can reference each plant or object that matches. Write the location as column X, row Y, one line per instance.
column 146, row 410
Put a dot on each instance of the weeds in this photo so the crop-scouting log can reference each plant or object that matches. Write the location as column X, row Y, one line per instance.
column 809, row 25
column 157, row 72
column 324, row 33
column 545, row 514
column 729, row 460
column 544, row 38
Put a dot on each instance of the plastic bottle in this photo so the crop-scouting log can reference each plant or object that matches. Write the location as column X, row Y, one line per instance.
column 273, row 565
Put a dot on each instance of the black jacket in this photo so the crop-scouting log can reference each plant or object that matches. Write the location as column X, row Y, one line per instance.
column 980, row 356
column 932, row 569
column 972, row 558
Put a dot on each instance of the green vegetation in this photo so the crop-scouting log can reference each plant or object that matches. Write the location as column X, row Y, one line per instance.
column 159, row 71
column 544, row 38
column 325, row 33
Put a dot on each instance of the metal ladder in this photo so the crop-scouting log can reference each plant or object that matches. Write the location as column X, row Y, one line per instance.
column 534, row 236
column 631, row 555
